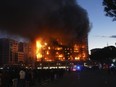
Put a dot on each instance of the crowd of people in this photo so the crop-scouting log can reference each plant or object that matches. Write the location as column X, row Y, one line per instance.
column 22, row 77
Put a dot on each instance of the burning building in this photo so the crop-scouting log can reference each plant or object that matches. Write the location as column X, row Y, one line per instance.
column 63, row 20
column 54, row 51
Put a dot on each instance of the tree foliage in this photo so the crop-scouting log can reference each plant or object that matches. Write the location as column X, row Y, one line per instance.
column 110, row 8
column 105, row 54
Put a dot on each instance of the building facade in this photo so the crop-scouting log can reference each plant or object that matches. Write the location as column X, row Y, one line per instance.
column 8, row 51
column 14, row 52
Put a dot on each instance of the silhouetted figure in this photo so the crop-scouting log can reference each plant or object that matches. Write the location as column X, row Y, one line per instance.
column 14, row 78
column 21, row 82
column 0, row 79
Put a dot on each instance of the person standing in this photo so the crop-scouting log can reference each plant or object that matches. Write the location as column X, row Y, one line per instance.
column 14, row 78
column 0, row 79
column 22, row 75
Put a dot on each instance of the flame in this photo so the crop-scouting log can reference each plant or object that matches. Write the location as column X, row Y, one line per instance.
column 45, row 44
column 61, row 55
column 77, row 58
column 47, row 52
column 49, row 48
column 38, row 49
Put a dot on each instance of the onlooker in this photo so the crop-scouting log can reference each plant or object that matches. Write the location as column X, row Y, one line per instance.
column 14, row 78
column 0, row 79
column 21, row 78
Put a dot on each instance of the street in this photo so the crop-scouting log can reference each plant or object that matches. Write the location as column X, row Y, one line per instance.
column 92, row 78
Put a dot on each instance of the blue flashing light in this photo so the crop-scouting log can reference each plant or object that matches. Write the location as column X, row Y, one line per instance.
column 78, row 68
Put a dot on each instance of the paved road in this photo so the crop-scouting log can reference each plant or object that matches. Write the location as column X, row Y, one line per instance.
column 84, row 79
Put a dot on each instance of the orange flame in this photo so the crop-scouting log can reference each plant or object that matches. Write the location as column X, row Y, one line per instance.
column 38, row 49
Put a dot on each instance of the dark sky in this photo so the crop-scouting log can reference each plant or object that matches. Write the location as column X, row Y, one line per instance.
column 44, row 18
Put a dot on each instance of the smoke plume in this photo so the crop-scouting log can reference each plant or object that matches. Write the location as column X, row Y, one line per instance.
column 63, row 19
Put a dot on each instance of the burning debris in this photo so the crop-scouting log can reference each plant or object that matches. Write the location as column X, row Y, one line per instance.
column 63, row 19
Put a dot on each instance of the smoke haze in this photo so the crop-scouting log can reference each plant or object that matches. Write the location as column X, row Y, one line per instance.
column 63, row 19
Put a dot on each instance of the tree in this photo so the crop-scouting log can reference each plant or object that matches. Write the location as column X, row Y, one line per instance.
column 105, row 54
column 98, row 55
column 110, row 8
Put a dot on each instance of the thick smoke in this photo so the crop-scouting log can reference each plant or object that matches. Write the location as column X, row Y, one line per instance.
column 63, row 19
